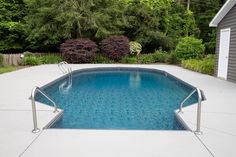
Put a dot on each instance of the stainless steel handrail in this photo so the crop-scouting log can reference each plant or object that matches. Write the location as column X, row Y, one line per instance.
column 199, row 106
column 199, row 111
column 63, row 69
column 185, row 99
column 33, row 93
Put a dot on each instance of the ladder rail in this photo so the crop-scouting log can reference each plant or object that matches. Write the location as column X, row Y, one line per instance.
column 66, row 70
column 33, row 93
column 62, row 66
column 201, row 96
column 185, row 99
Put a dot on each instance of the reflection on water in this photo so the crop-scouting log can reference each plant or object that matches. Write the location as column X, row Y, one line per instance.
column 134, row 79
column 65, row 86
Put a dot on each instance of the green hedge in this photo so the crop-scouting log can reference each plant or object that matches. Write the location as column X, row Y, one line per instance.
column 189, row 48
column 129, row 60
column 159, row 57
column 205, row 65
column 146, row 58
column 32, row 59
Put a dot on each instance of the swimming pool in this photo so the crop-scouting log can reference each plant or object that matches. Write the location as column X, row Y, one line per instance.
column 119, row 98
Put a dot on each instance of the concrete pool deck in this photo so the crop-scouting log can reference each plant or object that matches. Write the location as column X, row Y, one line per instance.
column 16, row 139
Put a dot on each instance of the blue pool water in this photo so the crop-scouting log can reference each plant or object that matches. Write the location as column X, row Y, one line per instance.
column 119, row 99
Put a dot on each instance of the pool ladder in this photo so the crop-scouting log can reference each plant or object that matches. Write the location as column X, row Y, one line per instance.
column 62, row 67
column 201, row 97
column 33, row 93
column 66, row 69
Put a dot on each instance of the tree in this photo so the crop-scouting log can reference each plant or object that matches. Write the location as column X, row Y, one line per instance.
column 144, row 27
column 158, row 4
column 11, row 28
column 204, row 11
column 162, row 9
column 189, row 27
column 52, row 21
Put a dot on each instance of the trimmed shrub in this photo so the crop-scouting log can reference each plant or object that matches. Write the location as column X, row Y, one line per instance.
column 205, row 65
column 172, row 58
column 1, row 59
column 189, row 48
column 160, row 56
column 115, row 47
column 135, row 48
column 146, row 58
column 78, row 50
column 129, row 60
column 101, row 59
column 33, row 60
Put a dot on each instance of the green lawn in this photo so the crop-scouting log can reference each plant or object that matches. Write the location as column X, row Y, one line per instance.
column 5, row 69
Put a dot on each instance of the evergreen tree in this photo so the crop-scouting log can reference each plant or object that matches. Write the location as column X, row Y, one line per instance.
column 204, row 11
column 12, row 33
column 144, row 27
column 52, row 21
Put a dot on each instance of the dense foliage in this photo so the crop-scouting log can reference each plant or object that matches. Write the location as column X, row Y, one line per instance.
column 204, row 11
column 115, row 47
column 205, row 65
column 159, row 57
column 189, row 48
column 42, row 25
column 129, row 60
column 12, row 32
column 37, row 59
column 144, row 27
column 51, row 21
column 78, row 50
column 167, row 31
